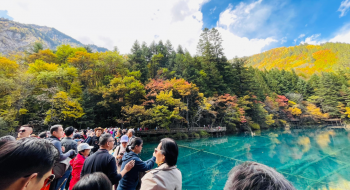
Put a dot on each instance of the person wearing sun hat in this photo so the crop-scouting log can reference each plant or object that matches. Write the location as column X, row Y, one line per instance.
column 120, row 150
column 96, row 139
column 78, row 162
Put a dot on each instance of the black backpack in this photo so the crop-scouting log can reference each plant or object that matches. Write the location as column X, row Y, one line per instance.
column 58, row 168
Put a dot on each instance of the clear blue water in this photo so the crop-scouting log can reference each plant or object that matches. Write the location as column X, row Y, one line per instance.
column 310, row 159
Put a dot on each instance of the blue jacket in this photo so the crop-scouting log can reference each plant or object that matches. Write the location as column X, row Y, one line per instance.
column 130, row 179
column 57, row 143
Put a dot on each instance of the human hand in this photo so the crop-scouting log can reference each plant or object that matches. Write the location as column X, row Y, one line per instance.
column 73, row 154
column 120, row 157
column 154, row 154
column 129, row 165
column 92, row 134
column 63, row 149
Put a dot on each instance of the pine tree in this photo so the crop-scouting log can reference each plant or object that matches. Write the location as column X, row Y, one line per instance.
column 216, row 41
column 244, row 77
column 179, row 50
column 138, row 61
column 328, row 90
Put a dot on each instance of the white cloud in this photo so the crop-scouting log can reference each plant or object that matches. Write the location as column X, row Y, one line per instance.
column 299, row 37
column 283, row 40
column 245, row 18
column 242, row 46
column 343, row 35
column 344, row 7
column 212, row 10
column 235, row 22
column 313, row 39
column 119, row 23
column 112, row 23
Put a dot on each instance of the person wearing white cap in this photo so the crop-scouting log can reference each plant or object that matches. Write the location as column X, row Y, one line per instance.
column 78, row 162
column 120, row 150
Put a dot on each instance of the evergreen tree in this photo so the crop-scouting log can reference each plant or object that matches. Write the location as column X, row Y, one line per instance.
column 328, row 90
column 153, row 48
column 244, row 77
column 216, row 41
column 138, row 61
column 179, row 50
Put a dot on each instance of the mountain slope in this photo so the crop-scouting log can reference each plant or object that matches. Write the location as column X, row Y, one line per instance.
column 15, row 36
column 304, row 59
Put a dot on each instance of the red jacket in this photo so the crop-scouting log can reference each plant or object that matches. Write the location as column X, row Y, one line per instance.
column 77, row 165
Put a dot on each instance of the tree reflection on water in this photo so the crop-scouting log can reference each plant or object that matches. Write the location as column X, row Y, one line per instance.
column 309, row 158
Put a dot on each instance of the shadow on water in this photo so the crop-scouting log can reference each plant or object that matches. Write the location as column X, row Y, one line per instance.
column 313, row 158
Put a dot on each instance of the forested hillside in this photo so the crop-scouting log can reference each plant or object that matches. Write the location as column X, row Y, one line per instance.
column 15, row 36
column 304, row 59
column 157, row 85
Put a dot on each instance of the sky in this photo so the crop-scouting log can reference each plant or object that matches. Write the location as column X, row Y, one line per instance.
column 247, row 27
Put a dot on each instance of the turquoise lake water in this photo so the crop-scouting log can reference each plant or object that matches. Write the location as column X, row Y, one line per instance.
column 310, row 159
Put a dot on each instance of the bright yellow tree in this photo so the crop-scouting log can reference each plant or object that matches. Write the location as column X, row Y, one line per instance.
column 8, row 68
column 62, row 108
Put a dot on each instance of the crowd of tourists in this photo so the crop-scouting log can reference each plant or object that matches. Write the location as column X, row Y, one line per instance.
column 106, row 159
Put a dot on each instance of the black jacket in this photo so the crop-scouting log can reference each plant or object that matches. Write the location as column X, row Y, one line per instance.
column 69, row 144
column 94, row 142
column 103, row 162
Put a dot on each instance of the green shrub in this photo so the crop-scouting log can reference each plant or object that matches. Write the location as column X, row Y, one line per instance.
column 178, row 136
column 196, row 135
column 255, row 126
column 185, row 136
column 204, row 134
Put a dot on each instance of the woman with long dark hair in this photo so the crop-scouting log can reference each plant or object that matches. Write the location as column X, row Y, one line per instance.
column 166, row 176
column 93, row 181
column 130, row 179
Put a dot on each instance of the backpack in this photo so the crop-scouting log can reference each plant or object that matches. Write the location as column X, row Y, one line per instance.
column 59, row 168
column 120, row 161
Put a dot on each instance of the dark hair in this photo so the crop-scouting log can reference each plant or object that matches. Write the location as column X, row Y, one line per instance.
column 24, row 157
column 7, row 138
column 76, row 136
column 43, row 135
column 69, row 130
column 170, row 150
column 256, row 176
column 93, row 181
column 135, row 142
column 104, row 138
column 54, row 128
column 120, row 132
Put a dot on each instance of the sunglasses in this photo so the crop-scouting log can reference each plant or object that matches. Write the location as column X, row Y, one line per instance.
column 156, row 150
column 22, row 131
column 49, row 180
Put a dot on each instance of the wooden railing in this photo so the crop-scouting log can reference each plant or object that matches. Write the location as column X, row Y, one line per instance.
column 182, row 130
